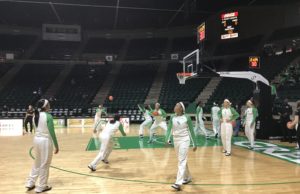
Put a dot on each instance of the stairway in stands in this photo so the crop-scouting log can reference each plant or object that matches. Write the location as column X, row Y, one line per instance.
column 209, row 90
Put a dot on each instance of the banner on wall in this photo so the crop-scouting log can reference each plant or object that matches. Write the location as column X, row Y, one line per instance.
column 59, row 123
column 11, row 127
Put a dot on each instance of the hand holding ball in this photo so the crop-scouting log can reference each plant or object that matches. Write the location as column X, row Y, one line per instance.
column 155, row 113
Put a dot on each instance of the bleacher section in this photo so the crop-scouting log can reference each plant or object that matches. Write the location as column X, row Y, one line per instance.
column 79, row 89
column 29, row 84
column 239, row 90
column 173, row 92
column 55, row 50
column 130, row 88
column 151, row 48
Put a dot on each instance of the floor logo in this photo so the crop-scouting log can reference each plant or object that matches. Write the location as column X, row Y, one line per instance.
column 273, row 150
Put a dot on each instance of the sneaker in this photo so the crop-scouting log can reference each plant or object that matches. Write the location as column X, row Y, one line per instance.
column 29, row 188
column 141, row 136
column 105, row 161
column 227, row 154
column 48, row 188
column 169, row 142
column 176, row 187
column 91, row 168
column 187, row 181
column 250, row 148
column 224, row 151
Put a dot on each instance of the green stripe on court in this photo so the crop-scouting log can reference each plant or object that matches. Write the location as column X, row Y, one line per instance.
column 134, row 142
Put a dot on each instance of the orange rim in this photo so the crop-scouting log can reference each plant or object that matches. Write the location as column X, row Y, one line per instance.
column 185, row 74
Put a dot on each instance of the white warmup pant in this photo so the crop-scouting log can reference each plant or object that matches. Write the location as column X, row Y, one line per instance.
column 181, row 146
column 249, row 131
column 143, row 125
column 200, row 126
column 216, row 126
column 98, row 125
column 43, row 150
column 161, row 124
column 105, row 150
column 226, row 135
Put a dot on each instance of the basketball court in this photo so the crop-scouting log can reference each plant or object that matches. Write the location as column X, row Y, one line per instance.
column 137, row 166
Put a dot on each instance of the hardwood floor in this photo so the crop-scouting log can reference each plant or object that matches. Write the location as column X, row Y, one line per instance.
column 149, row 170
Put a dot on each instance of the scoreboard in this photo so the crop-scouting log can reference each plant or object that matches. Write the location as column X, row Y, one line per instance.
column 254, row 62
column 230, row 24
column 201, row 33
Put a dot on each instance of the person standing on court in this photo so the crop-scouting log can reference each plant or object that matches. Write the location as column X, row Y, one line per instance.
column 249, row 121
column 199, row 120
column 181, row 126
column 215, row 119
column 106, row 138
column 285, row 113
column 148, row 119
column 28, row 118
column 159, row 115
column 43, row 142
column 296, row 124
column 97, row 120
column 227, row 116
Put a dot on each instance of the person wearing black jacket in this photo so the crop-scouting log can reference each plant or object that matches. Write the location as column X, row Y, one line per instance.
column 285, row 112
column 28, row 118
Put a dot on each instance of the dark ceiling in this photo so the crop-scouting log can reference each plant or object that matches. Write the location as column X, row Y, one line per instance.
column 117, row 14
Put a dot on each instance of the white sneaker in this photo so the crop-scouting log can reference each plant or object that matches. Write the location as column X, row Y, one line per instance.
column 176, row 187
column 91, row 168
column 187, row 181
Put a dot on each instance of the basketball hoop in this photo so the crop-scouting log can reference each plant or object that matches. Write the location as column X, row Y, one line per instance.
column 182, row 76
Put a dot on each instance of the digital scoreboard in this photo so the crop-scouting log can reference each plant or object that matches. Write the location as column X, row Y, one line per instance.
column 230, row 24
column 254, row 62
column 201, row 33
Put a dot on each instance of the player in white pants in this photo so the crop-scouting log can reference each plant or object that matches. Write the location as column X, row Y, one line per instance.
column 183, row 133
column 249, row 122
column 97, row 121
column 199, row 120
column 159, row 121
column 43, row 148
column 106, row 138
column 215, row 119
column 147, row 122
column 227, row 115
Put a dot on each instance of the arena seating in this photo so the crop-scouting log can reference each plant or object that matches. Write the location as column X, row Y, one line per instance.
column 173, row 92
column 55, row 50
column 28, row 85
column 131, row 87
column 151, row 48
column 80, row 87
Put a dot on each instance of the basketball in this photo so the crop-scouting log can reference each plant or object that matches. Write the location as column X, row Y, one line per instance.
column 110, row 98
column 155, row 113
column 289, row 125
